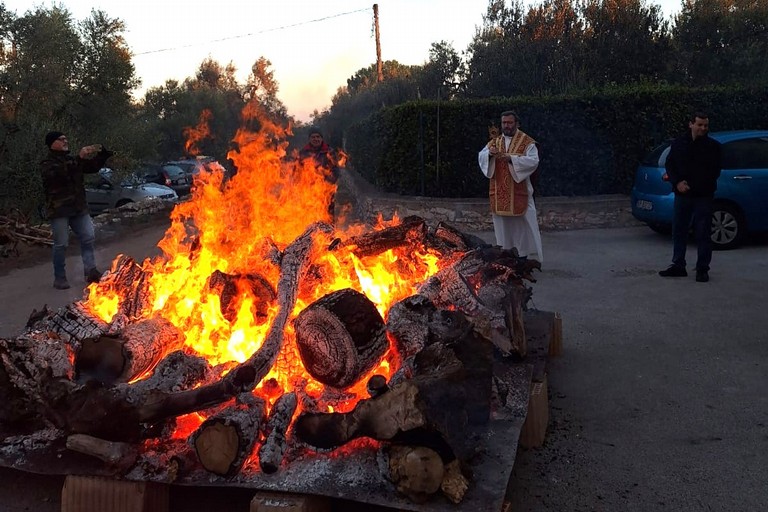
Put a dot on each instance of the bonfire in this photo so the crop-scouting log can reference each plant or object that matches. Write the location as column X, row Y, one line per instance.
column 265, row 336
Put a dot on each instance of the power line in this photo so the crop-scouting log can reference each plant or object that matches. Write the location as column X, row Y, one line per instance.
column 275, row 29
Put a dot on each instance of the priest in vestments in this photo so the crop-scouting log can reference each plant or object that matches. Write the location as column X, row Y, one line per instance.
column 508, row 161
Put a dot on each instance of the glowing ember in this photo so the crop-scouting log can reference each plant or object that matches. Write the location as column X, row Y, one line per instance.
column 234, row 227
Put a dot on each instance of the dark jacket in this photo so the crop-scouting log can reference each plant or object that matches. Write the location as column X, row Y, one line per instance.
column 696, row 161
column 323, row 158
column 63, row 183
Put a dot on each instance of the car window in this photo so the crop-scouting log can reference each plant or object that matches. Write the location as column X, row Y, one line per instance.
column 174, row 171
column 658, row 156
column 746, row 154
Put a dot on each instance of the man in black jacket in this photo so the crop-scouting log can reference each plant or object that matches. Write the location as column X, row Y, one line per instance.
column 65, row 203
column 693, row 167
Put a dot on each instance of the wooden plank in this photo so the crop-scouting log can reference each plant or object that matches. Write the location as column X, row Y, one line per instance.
column 536, row 421
column 100, row 494
column 556, row 342
column 289, row 502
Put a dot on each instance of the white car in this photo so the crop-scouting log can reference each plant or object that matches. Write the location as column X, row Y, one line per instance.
column 103, row 191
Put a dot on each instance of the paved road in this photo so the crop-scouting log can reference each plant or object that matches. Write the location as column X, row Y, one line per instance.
column 658, row 403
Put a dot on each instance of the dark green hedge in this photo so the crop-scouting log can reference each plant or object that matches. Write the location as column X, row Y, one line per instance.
column 588, row 144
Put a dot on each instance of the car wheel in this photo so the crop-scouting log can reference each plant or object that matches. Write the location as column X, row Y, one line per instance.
column 727, row 227
column 662, row 229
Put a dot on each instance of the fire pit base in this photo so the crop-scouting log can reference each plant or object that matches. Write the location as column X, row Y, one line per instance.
column 351, row 472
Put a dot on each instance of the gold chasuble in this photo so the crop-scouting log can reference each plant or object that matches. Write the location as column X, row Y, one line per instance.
column 507, row 197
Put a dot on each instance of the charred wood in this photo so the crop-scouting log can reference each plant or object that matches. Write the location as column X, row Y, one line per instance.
column 117, row 455
column 412, row 230
column 72, row 323
column 273, row 449
column 139, row 346
column 340, row 337
column 224, row 441
column 127, row 278
column 416, row 322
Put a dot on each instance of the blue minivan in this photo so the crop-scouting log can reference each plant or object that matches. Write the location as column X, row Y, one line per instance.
column 741, row 200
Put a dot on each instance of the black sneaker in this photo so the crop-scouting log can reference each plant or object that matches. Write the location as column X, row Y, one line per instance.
column 61, row 283
column 93, row 275
column 702, row 276
column 674, row 271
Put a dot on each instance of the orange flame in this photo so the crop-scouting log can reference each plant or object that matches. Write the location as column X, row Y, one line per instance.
column 234, row 227
column 195, row 135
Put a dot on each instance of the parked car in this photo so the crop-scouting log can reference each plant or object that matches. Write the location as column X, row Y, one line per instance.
column 102, row 191
column 741, row 200
column 169, row 175
column 193, row 166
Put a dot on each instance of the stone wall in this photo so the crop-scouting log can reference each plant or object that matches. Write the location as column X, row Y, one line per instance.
column 472, row 214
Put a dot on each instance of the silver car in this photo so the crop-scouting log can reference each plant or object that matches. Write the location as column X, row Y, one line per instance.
column 104, row 191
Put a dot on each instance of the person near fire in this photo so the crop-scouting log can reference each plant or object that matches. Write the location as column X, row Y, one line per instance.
column 65, row 203
column 693, row 167
column 508, row 161
column 324, row 160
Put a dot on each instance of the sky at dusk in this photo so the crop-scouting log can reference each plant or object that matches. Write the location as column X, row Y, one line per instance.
column 314, row 47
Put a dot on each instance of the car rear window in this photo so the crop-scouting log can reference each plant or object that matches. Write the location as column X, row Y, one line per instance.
column 658, row 156
column 174, row 171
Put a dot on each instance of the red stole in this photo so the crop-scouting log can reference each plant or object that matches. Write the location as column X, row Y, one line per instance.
column 507, row 197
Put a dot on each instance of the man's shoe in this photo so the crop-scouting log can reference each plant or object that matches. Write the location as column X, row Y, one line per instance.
column 93, row 275
column 61, row 283
column 702, row 276
column 674, row 271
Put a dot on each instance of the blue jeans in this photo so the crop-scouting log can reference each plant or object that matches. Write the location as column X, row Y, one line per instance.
column 693, row 212
column 82, row 226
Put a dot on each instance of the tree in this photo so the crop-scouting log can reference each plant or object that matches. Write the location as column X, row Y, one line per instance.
column 444, row 71
column 721, row 42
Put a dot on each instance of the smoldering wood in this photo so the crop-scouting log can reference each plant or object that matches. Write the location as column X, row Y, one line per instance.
column 26, row 362
column 117, row 455
column 232, row 287
column 420, row 410
column 377, row 385
column 135, row 350
column 340, row 337
column 416, row 322
column 272, row 450
column 447, row 239
column 72, row 323
column 412, row 230
column 224, row 442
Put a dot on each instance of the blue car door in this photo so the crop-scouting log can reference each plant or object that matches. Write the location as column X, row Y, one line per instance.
column 744, row 179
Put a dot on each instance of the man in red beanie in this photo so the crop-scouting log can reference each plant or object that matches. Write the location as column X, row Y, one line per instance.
column 65, row 204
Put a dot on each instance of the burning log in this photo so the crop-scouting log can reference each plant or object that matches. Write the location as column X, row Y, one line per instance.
column 229, row 288
column 411, row 230
column 224, row 441
column 132, row 280
column 292, row 266
column 272, row 450
column 122, row 358
column 448, row 239
column 340, row 337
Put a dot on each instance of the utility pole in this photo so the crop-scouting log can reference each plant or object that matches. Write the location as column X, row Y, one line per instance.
column 379, row 69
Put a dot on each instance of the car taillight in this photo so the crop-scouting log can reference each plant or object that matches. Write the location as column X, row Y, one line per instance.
column 167, row 181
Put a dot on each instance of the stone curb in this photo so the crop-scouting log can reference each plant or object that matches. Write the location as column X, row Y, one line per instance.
column 472, row 214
